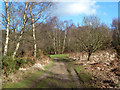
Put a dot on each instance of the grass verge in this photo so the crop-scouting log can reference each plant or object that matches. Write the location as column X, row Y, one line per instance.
column 27, row 82
column 68, row 66
column 84, row 76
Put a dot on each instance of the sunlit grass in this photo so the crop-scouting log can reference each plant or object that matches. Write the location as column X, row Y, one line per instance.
column 60, row 56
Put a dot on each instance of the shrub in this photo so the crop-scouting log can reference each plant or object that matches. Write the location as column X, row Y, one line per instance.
column 32, row 61
column 38, row 53
column 10, row 65
column 27, row 61
column 10, row 53
column 20, row 62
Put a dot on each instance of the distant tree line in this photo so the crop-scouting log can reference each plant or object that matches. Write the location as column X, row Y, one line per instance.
column 55, row 37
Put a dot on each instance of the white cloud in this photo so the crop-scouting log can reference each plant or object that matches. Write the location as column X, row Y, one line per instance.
column 75, row 7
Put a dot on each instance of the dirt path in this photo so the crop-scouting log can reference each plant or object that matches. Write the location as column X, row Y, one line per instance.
column 57, row 77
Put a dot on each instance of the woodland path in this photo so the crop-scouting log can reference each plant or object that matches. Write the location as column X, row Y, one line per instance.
column 57, row 77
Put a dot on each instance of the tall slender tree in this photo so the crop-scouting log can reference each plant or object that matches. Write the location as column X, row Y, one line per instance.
column 33, row 29
column 21, row 32
column 7, row 28
column 64, row 41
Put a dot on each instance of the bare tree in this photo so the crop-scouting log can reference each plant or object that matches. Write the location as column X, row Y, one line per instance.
column 33, row 27
column 92, row 36
column 21, row 32
column 34, row 18
column 53, row 23
column 116, row 35
column 64, row 41
column 7, row 34
column 59, row 41
column 43, row 6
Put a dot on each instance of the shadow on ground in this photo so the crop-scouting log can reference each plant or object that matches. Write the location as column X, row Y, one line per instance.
column 63, row 60
column 56, row 77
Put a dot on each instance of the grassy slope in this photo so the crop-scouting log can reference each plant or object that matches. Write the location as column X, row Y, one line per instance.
column 28, row 81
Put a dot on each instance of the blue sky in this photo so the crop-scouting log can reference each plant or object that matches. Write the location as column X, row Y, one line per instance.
column 106, row 11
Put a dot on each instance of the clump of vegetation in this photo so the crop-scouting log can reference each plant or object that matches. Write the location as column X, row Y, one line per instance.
column 28, row 79
column 33, row 61
column 9, row 53
column 116, row 36
column 10, row 65
column 38, row 53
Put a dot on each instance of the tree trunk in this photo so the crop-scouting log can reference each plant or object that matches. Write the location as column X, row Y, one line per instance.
column 64, row 42
column 69, row 41
column 55, row 45
column 7, row 34
column 59, row 41
column 89, row 54
column 21, row 33
column 34, row 36
column 54, row 41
